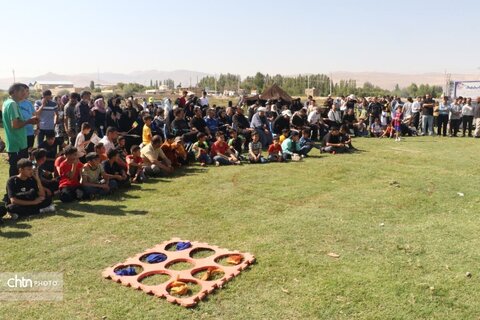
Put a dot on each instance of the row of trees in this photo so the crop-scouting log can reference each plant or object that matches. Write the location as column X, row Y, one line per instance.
column 296, row 85
column 169, row 83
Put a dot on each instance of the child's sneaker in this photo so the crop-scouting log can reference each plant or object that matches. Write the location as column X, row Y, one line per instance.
column 217, row 164
column 79, row 194
column 10, row 216
column 49, row 209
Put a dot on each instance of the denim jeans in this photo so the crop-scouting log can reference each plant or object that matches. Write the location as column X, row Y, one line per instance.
column 427, row 123
column 222, row 160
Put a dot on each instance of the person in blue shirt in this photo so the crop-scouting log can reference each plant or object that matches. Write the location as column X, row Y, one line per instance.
column 47, row 114
column 306, row 143
column 27, row 111
column 291, row 145
column 212, row 122
column 443, row 113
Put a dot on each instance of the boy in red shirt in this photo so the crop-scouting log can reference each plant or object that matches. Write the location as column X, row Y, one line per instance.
column 275, row 151
column 70, row 173
column 169, row 150
column 58, row 162
column 135, row 165
column 101, row 151
column 221, row 153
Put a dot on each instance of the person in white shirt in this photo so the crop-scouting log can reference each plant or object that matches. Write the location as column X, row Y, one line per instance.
column 84, row 138
column 110, row 139
column 203, row 100
column 476, row 114
column 416, row 108
column 315, row 121
column 442, row 120
column 455, row 117
column 334, row 115
column 407, row 108
column 467, row 117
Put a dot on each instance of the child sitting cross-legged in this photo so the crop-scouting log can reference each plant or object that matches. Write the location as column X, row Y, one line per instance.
column 169, row 150
column 101, row 151
column 135, row 165
column 25, row 193
column 275, row 153
column 93, row 181
column 70, row 172
column 291, row 145
column 221, row 153
column 201, row 150
column 49, row 182
column 116, row 175
column 235, row 143
column 182, row 154
column 255, row 150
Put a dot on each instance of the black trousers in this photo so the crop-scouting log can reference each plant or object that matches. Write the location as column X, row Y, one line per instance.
column 13, row 158
column 42, row 135
column 442, row 122
column 30, row 141
column 69, row 194
column 416, row 119
column 467, row 121
column 29, row 210
column 454, row 126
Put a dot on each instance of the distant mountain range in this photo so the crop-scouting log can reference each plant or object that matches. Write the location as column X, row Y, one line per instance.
column 389, row 80
column 186, row 77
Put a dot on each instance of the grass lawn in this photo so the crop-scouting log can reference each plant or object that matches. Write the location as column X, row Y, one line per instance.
column 404, row 247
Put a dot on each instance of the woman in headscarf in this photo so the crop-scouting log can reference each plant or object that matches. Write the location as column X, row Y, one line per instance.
column 99, row 115
column 114, row 112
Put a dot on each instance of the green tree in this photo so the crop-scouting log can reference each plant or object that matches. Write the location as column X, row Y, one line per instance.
column 259, row 81
column 92, row 85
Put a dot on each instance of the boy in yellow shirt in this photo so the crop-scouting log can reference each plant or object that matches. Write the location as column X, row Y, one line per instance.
column 147, row 132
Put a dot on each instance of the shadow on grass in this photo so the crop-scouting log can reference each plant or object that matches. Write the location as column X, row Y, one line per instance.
column 96, row 208
column 180, row 172
column 16, row 234
column 420, row 140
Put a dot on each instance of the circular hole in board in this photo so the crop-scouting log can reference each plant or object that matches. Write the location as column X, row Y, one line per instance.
column 180, row 264
column 209, row 273
column 193, row 287
column 154, row 278
column 229, row 260
column 201, row 253
column 128, row 270
column 153, row 257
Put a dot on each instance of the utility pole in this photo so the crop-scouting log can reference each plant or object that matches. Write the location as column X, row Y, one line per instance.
column 331, row 82
column 14, row 79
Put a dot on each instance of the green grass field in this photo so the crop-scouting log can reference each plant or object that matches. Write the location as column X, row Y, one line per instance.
column 405, row 238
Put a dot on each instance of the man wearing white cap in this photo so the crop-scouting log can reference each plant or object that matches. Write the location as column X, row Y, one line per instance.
column 282, row 122
column 260, row 124
column 315, row 121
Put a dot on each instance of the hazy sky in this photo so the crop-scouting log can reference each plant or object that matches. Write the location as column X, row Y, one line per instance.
column 242, row 37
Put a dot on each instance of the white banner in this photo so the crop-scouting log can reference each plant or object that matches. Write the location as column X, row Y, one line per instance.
column 468, row 89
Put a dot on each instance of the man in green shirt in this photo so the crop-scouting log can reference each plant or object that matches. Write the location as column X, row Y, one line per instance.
column 14, row 124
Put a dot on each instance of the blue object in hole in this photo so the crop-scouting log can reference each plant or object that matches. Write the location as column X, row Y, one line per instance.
column 128, row 271
column 156, row 258
column 183, row 245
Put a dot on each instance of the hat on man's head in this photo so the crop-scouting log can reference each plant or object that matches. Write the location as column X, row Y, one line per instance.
column 287, row 113
column 262, row 109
